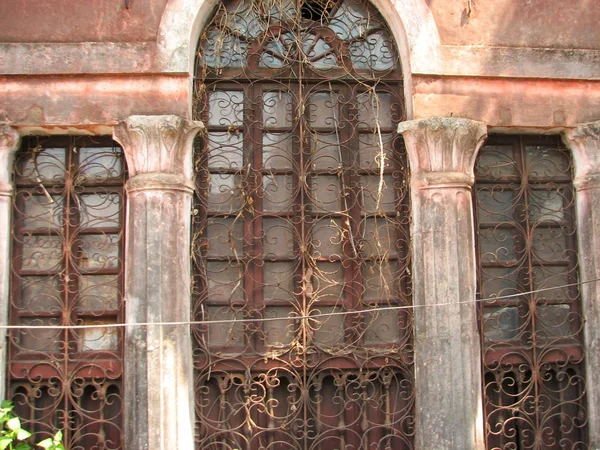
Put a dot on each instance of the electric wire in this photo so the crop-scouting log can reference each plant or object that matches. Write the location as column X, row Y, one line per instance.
column 292, row 317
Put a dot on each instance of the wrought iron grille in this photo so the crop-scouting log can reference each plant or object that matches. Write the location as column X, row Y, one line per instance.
column 67, row 270
column 531, row 329
column 301, row 218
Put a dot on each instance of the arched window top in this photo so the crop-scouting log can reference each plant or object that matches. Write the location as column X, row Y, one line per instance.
column 343, row 37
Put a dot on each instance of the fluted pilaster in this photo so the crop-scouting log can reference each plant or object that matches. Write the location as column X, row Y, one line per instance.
column 9, row 143
column 442, row 154
column 158, row 359
column 584, row 142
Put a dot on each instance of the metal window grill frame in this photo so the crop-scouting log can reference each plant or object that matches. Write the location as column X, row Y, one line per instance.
column 301, row 207
column 67, row 269
column 533, row 372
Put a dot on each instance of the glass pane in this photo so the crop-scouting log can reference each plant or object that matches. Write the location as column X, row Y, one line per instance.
column 374, row 109
column 91, row 339
column 278, row 110
column 500, row 324
column 226, row 150
column 40, row 294
column 98, row 294
column 224, row 281
column 375, row 197
column 551, row 245
column 499, row 282
column 98, row 251
column 497, row 244
column 328, row 281
column 278, row 278
column 277, row 151
column 552, row 279
column 379, row 237
column 322, row 110
column 495, row 205
column 98, row 164
column 41, row 212
column 497, row 162
column 224, row 193
column 221, row 49
column 225, row 236
column 42, row 253
column 278, row 237
column 100, row 210
column 279, row 332
column 547, row 205
column 380, row 280
column 370, row 147
column 555, row 321
column 328, row 330
column 226, row 108
column 373, row 52
column 227, row 333
column 327, row 237
column 278, row 192
column 326, row 152
column 319, row 52
column 544, row 162
column 381, row 327
column 326, row 193
column 43, row 339
column 46, row 165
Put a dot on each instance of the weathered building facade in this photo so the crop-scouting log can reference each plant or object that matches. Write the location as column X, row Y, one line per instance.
column 301, row 224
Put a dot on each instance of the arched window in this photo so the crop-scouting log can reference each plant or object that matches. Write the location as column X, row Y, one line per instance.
column 301, row 220
column 67, row 271
column 531, row 324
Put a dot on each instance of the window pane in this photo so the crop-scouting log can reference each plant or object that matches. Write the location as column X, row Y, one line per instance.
column 226, row 108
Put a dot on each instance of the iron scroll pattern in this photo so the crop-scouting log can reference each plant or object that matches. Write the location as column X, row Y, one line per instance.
column 534, row 384
column 67, row 270
column 301, row 211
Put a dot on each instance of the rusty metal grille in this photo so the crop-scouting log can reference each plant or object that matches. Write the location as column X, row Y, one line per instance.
column 534, row 381
column 67, row 270
column 301, row 219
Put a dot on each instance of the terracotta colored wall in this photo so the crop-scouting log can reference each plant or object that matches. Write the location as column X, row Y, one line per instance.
column 79, row 20
column 519, row 23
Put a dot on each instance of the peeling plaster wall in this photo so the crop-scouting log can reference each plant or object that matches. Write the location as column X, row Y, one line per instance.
column 519, row 23
column 512, row 63
column 46, row 21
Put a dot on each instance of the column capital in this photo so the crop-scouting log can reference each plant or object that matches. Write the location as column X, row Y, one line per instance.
column 442, row 150
column 157, row 144
column 584, row 142
column 9, row 143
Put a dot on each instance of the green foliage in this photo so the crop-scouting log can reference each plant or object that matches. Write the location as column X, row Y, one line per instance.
column 53, row 443
column 13, row 437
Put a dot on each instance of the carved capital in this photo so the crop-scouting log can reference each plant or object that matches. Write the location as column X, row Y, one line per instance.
column 442, row 150
column 157, row 144
column 9, row 143
column 584, row 142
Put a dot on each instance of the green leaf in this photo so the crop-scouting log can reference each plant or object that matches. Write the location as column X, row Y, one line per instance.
column 7, row 404
column 22, row 434
column 14, row 423
column 46, row 443
column 5, row 442
column 58, row 436
column 22, row 446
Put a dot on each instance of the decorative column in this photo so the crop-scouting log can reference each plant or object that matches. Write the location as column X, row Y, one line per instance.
column 158, row 358
column 584, row 142
column 442, row 154
column 9, row 143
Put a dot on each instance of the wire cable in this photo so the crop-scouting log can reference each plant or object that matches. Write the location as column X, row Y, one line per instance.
column 291, row 317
